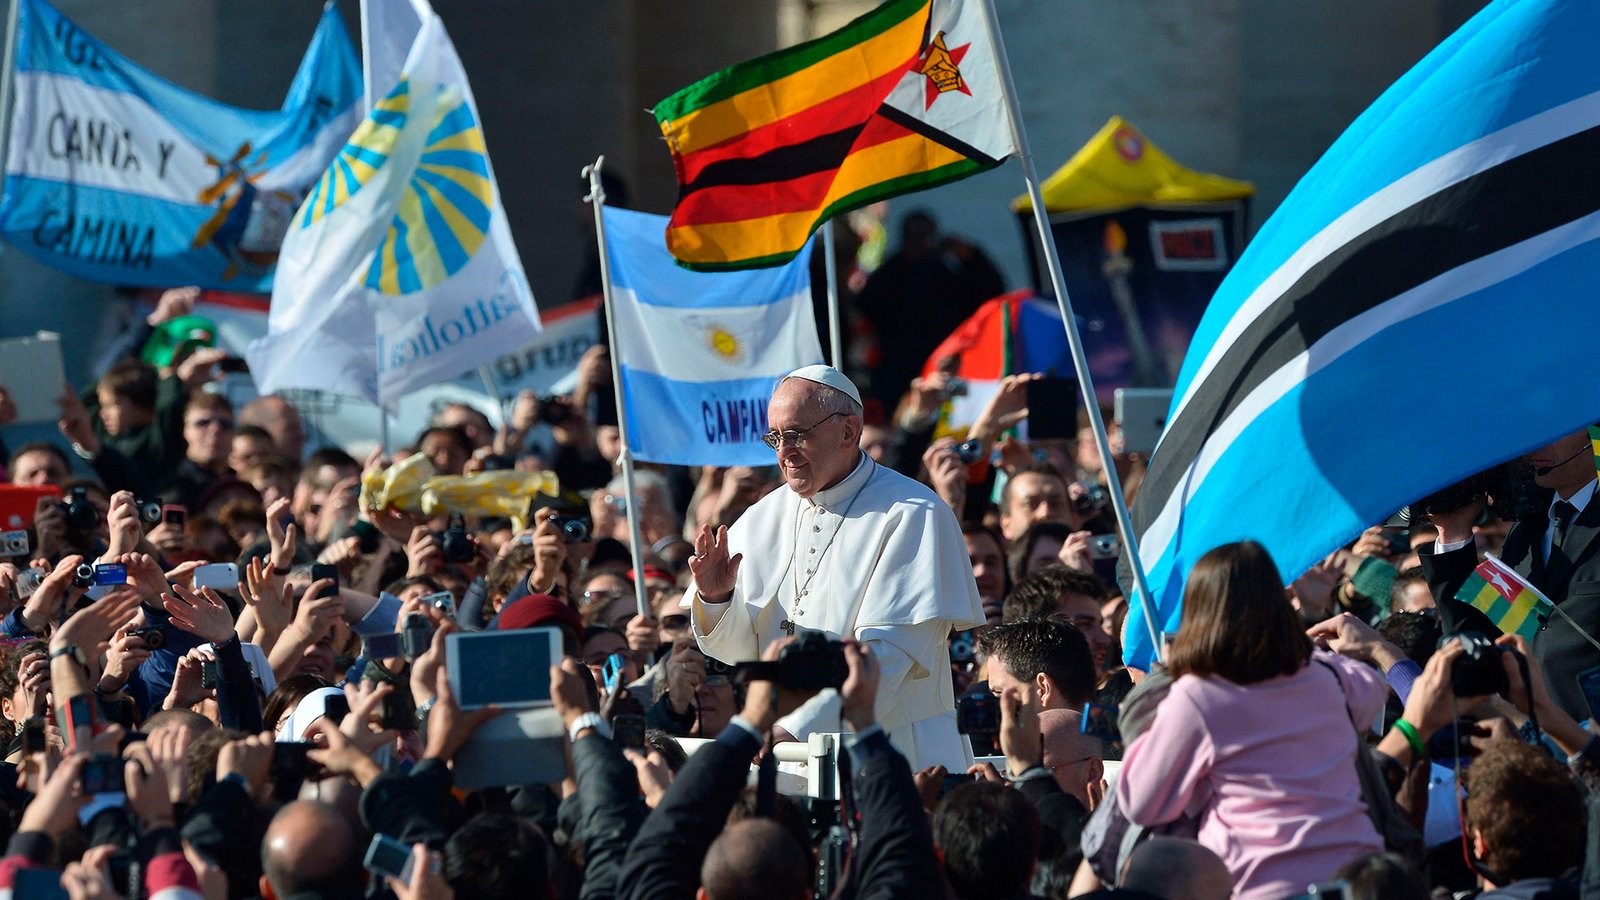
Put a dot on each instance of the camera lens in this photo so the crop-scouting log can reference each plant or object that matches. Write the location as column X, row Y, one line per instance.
column 575, row 531
column 149, row 512
column 83, row 576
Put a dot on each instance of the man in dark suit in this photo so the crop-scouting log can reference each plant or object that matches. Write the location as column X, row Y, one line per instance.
column 1556, row 548
column 682, row 845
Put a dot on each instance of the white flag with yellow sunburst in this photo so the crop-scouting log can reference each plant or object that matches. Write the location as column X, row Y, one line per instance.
column 700, row 352
column 399, row 271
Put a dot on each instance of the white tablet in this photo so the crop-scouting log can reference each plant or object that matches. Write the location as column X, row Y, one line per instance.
column 508, row 668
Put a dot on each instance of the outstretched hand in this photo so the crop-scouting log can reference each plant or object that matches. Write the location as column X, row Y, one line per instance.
column 714, row 571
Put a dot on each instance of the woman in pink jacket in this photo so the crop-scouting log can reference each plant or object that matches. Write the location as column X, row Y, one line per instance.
column 1255, row 736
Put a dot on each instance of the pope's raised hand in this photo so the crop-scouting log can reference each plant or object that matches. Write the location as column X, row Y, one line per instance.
column 714, row 571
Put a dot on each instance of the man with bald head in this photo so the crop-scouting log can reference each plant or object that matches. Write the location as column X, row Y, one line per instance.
column 277, row 417
column 1072, row 756
column 851, row 549
column 309, row 851
column 1177, row 869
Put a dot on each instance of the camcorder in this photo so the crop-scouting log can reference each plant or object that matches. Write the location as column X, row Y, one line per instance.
column 1478, row 671
column 812, row 662
column 454, row 543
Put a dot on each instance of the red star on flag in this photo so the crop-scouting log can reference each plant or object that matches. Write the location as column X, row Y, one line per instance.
column 955, row 55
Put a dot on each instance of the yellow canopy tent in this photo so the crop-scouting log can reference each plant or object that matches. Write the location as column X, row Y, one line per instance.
column 1143, row 242
column 1120, row 167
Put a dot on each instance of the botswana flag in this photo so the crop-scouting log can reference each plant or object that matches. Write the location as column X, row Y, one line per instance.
column 1422, row 305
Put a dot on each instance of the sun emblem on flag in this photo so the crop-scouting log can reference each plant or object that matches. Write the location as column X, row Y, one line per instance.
column 445, row 213
column 725, row 344
column 361, row 157
column 942, row 67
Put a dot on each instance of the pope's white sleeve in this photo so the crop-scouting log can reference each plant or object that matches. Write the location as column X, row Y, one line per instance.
column 895, row 664
column 724, row 630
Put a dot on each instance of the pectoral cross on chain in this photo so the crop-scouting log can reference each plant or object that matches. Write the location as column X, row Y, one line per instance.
column 787, row 626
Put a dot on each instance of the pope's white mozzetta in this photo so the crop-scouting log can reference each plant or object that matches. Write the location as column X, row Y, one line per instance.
column 876, row 557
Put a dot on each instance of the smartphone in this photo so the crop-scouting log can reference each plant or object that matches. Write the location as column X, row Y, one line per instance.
column 80, row 714
column 1105, row 546
column 953, row 780
column 102, row 774
column 175, row 514
column 627, row 721
column 336, row 708
column 383, row 646
column 1052, row 408
column 33, row 735
column 289, row 768
column 209, row 677
column 1101, row 722
column 416, row 635
column 232, row 364
column 388, row 857
column 320, row 571
column 1589, row 683
column 217, row 576
column 611, row 672
column 38, row 884
column 399, row 711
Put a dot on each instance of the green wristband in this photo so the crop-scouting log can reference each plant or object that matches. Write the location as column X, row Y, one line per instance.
column 1418, row 749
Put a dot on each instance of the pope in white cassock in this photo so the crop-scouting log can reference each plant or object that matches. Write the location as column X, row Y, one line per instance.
column 851, row 549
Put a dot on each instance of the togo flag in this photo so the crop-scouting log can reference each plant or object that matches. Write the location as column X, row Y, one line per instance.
column 1457, row 212
column 700, row 352
column 1510, row 602
column 399, row 271
column 115, row 175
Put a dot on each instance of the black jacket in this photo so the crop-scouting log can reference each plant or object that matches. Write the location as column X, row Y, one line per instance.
column 1573, row 586
column 610, row 812
column 896, row 853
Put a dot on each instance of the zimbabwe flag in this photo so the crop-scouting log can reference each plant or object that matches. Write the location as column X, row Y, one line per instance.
column 1511, row 603
column 903, row 98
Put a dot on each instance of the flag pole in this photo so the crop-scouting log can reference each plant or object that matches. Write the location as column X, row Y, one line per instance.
column 597, row 199
column 835, row 328
column 366, row 61
column 8, row 81
column 1047, row 246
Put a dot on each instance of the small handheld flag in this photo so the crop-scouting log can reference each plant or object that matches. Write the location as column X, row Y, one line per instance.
column 1510, row 602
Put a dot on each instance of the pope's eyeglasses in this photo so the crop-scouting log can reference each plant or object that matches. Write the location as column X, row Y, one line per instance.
column 796, row 439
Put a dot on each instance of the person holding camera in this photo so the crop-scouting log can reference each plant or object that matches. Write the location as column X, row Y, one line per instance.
column 851, row 549
column 1553, row 547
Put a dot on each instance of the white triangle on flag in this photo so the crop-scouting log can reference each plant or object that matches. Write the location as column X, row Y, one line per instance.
column 954, row 93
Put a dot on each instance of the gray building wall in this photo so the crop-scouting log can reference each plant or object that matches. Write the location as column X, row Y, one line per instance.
column 1254, row 89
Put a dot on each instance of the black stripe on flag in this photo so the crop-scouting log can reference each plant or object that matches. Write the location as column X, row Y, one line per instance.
column 819, row 154
column 1497, row 208
column 912, row 123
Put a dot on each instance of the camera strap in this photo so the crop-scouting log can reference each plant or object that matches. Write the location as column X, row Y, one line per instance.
column 767, row 783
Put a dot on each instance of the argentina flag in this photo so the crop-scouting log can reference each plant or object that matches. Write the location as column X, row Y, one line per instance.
column 1420, row 307
column 115, row 175
column 700, row 352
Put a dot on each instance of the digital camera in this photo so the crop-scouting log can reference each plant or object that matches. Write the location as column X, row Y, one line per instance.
column 813, row 662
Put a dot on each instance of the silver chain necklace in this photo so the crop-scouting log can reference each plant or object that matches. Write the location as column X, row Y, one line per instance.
column 801, row 587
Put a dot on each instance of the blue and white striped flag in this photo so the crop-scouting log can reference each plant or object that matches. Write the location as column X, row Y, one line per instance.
column 1434, row 270
column 118, row 176
column 700, row 352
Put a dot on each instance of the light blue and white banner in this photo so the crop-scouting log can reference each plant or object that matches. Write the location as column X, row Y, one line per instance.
column 398, row 271
column 700, row 352
column 116, row 175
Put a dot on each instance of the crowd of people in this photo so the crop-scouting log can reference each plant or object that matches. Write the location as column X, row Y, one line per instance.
column 175, row 732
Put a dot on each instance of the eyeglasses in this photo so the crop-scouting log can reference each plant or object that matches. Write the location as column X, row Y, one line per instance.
column 796, row 439
column 674, row 623
column 599, row 596
column 224, row 424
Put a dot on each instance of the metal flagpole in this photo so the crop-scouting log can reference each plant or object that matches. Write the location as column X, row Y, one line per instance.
column 597, row 199
column 366, row 60
column 835, row 329
column 1041, row 221
column 8, row 81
